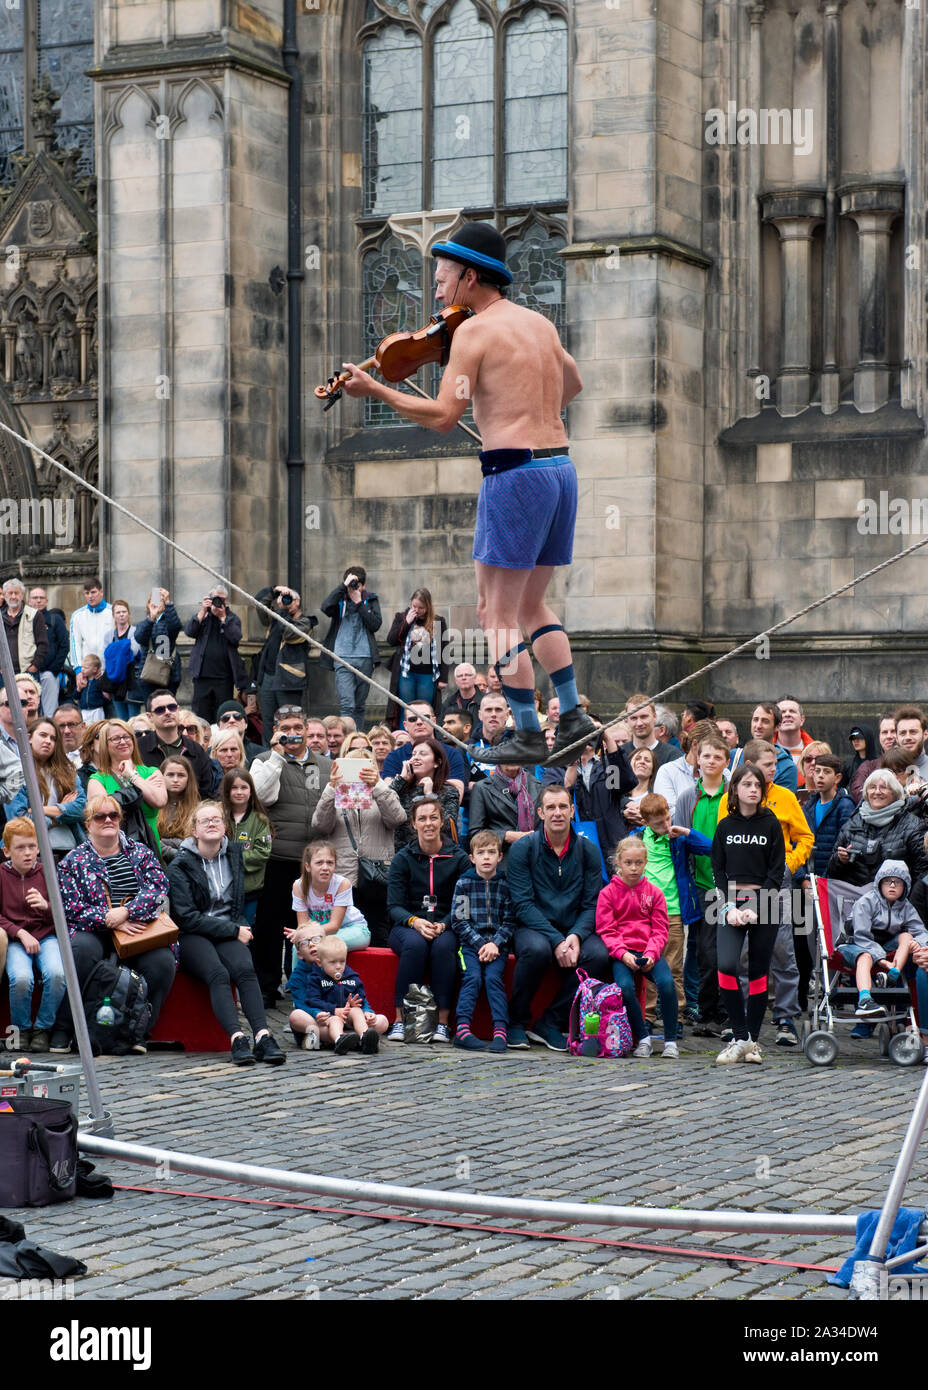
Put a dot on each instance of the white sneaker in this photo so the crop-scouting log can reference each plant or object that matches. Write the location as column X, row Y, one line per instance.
column 734, row 1051
column 753, row 1053
column 643, row 1049
column 670, row 1050
column 310, row 1040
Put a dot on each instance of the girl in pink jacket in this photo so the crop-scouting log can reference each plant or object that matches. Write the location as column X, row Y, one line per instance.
column 631, row 918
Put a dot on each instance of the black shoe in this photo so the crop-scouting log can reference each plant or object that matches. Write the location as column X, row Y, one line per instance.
column 707, row 1028
column 348, row 1042
column 370, row 1041
column 241, row 1052
column 266, row 1050
column 523, row 746
column 61, row 1040
column 572, row 725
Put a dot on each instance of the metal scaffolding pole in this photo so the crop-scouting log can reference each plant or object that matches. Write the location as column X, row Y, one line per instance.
column 435, row 1199
column 868, row 1281
column 100, row 1120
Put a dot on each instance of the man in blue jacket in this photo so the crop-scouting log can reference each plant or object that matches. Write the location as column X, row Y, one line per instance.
column 555, row 877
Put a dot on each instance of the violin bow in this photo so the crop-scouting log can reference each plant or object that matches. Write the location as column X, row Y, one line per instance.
column 407, row 381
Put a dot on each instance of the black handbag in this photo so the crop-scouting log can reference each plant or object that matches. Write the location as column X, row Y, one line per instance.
column 372, row 873
column 38, row 1152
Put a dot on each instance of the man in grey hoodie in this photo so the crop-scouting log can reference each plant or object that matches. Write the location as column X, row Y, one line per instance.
column 886, row 926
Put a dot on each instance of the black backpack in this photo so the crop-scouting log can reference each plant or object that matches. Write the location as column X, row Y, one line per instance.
column 128, row 996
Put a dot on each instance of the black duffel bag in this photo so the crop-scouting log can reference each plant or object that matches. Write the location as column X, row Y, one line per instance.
column 38, row 1152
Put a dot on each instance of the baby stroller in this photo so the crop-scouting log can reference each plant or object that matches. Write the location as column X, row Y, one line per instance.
column 833, row 996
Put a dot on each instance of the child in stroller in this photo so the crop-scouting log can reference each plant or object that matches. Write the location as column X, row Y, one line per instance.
column 885, row 928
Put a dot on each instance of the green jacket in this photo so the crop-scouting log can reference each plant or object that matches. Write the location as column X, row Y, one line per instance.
column 253, row 835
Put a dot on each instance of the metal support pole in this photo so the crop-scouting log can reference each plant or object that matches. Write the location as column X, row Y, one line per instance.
column 99, row 1117
column 868, row 1283
column 434, row 1199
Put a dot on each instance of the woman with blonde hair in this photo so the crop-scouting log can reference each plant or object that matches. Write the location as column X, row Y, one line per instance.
column 382, row 744
column 139, row 790
column 355, row 745
column 226, row 753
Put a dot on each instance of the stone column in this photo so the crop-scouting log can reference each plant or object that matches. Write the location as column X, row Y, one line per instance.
column 192, row 209
column 795, row 214
column 874, row 208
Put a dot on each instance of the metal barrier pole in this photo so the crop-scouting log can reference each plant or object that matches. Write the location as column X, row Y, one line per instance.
column 99, row 1117
column 575, row 1213
column 868, row 1282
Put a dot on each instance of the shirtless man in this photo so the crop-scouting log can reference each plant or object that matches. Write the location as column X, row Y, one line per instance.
column 510, row 362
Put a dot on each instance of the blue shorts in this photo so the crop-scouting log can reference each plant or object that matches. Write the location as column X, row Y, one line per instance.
column 526, row 516
column 850, row 952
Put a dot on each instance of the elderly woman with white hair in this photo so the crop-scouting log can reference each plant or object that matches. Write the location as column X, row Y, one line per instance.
column 882, row 827
column 27, row 634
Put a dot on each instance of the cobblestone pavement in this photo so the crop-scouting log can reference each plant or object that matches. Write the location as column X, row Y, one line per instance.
column 782, row 1137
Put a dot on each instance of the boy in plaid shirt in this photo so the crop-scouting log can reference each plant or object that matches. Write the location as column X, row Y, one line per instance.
column 484, row 923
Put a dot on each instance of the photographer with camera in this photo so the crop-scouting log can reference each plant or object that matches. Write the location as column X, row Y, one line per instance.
column 355, row 616
column 215, row 666
column 282, row 672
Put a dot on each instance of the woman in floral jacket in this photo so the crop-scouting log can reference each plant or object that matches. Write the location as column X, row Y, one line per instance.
column 106, row 882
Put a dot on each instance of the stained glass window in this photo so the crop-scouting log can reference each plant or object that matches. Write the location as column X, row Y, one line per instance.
column 538, row 273
column 392, row 303
column 536, row 108
column 463, row 110
column 11, row 87
column 392, row 121
column 65, row 41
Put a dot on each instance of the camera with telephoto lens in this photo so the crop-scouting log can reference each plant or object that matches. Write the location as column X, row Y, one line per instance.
column 285, row 598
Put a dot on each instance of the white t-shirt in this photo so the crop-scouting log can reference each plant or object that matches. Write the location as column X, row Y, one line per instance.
column 320, row 908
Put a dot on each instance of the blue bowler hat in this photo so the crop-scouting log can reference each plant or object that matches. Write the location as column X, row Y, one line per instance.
column 479, row 246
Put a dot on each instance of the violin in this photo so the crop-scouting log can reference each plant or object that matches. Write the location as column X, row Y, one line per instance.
column 400, row 355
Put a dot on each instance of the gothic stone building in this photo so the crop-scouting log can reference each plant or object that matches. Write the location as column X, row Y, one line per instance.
column 721, row 205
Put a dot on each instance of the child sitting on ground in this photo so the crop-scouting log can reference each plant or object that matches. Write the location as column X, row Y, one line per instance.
column 331, row 997
column 483, row 922
column 26, row 918
column 631, row 918
column 886, row 926
column 305, row 1029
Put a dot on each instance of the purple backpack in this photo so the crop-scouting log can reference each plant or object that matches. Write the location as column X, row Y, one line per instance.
column 612, row 1036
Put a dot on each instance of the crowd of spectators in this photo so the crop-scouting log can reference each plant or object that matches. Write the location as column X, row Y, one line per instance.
column 281, row 840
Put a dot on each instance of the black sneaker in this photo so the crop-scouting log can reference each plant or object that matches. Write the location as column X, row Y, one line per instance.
column 572, row 725
column 348, row 1042
column 240, row 1053
column 868, row 1008
column 370, row 1041
column 61, row 1040
column 523, row 746
column 266, row 1050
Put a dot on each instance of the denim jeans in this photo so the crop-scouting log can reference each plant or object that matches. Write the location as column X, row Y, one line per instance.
column 121, row 709
column 419, row 687
column 691, row 965
column 488, row 974
column 19, row 967
column 352, row 693
column 666, row 991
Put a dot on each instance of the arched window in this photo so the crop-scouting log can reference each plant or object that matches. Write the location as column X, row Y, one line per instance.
column 464, row 107
column 50, row 39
